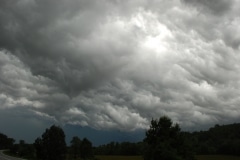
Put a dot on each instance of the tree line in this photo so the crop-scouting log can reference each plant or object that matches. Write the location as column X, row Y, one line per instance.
column 163, row 140
column 220, row 139
column 5, row 141
column 123, row 148
column 50, row 146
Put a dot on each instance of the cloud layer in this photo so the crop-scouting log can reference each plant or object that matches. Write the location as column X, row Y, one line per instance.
column 116, row 64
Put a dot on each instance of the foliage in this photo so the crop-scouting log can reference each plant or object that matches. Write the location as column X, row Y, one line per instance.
column 22, row 149
column 75, row 148
column 124, row 148
column 5, row 142
column 81, row 148
column 86, row 149
column 165, row 141
column 223, row 139
column 52, row 145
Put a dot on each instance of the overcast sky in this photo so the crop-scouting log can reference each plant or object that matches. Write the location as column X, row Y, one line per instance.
column 116, row 64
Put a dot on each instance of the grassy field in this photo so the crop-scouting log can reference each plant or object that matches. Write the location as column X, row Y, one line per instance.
column 217, row 157
column 202, row 157
column 119, row 157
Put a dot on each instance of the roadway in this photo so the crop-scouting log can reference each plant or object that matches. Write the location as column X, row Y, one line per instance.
column 5, row 157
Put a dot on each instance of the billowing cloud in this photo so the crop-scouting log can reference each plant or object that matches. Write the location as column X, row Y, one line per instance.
column 116, row 64
column 217, row 7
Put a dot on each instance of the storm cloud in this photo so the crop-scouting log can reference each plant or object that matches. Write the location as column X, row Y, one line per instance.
column 112, row 64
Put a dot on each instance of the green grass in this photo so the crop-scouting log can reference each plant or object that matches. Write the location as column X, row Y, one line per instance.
column 201, row 157
column 216, row 157
column 119, row 157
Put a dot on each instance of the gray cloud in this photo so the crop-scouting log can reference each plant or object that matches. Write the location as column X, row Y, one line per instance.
column 113, row 64
column 217, row 7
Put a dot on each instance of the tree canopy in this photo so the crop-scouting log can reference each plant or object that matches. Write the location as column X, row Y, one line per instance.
column 5, row 142
column 164, row 140
column 52, row 145
column 223, row 139
column 86, row 149
column 75, row 147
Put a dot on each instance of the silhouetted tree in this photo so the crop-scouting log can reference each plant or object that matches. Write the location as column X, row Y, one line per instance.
column 165, row 141
column 5, row 142
column 52, row 145
column 24, row 150
column 38, row 144
column 219, row 139
column 86, row 149
column 76, row 147
column 124, row 148
column 128, row 148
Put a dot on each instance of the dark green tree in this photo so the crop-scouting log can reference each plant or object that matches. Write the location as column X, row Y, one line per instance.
column 124, row 148
column 38, row 144
column 220, row 139
column 5, row 142
column 76, row 147
column 24, row 150
column 86, row 149
column 165, row 141
column 52, row 145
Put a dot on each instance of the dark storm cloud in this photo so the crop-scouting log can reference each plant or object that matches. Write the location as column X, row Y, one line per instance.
column 116, row 64
column 44, row 31
column 217, row 7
